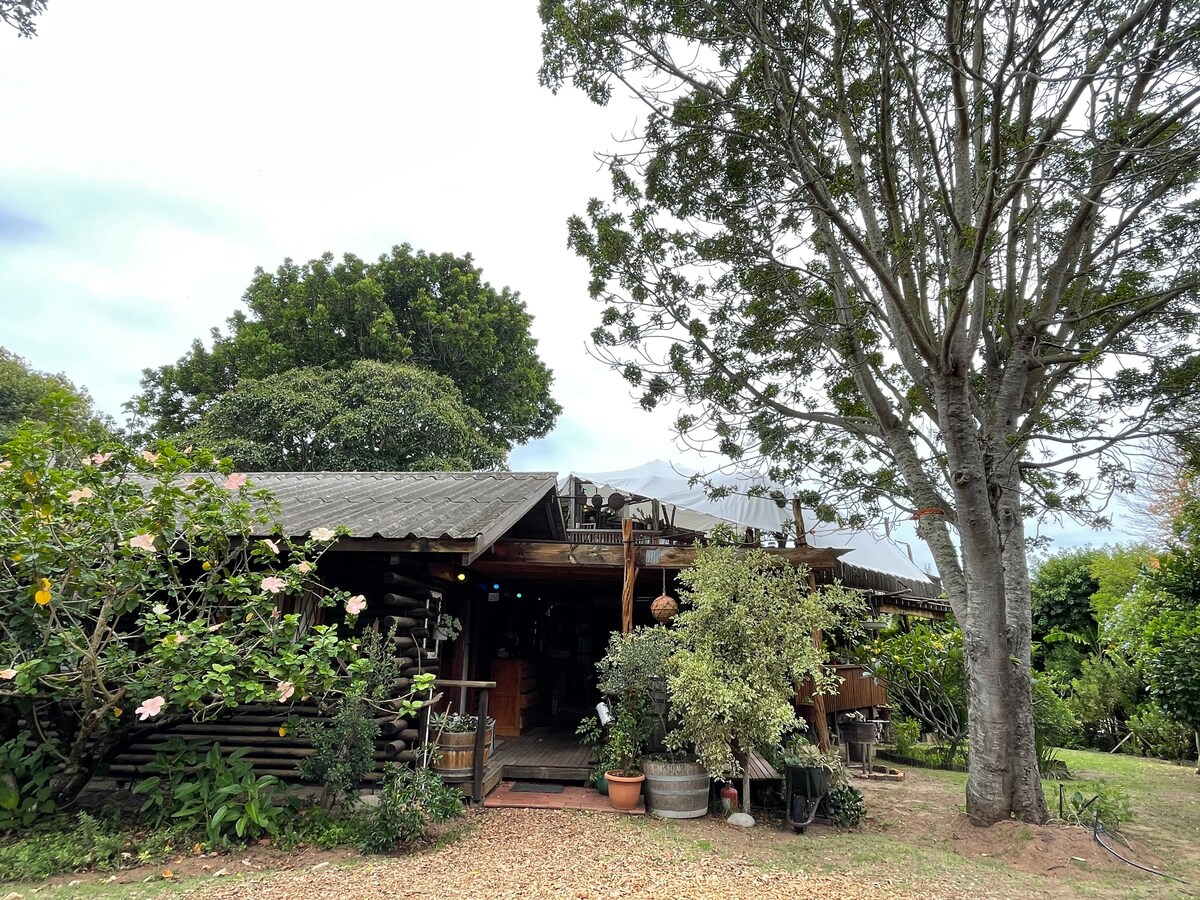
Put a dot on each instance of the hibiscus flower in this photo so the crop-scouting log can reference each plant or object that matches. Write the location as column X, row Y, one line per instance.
column 150, row 708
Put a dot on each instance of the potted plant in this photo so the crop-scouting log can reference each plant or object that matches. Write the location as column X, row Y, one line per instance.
column 454, row 743
column 744, row 643
column 624, row 738
column 636, row 665
column 857, row 729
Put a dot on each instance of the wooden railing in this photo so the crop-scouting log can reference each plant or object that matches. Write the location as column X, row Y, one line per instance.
column 613, row 536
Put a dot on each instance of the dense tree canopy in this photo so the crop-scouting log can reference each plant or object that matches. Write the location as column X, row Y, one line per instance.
column 419, row 309
column 926, row 255
column 369, row 416
column 26, row 393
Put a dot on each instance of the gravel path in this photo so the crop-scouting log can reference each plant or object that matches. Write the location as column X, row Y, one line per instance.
column 524, row 853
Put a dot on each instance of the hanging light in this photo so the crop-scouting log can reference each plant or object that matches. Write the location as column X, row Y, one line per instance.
column 664, row 607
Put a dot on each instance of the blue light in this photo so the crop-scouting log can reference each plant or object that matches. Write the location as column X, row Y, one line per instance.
column 495, row 587
column 518, row 595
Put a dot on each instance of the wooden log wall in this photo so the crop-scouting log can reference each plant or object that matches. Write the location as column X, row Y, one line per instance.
column 393, row 599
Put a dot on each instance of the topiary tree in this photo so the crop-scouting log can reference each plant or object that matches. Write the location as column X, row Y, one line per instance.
column 134, row 592
column 745, row 640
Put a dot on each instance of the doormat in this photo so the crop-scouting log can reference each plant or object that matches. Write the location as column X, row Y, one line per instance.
column 529, row 787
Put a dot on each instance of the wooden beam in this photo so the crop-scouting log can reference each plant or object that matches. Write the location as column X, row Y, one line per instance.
column 662, row 556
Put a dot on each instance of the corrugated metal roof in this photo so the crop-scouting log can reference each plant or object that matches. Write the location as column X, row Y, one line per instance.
column 398, row 505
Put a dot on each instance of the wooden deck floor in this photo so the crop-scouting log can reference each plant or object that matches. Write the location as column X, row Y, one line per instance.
column 544, row 753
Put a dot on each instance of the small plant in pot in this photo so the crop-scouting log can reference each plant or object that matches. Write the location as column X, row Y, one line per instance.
column 623, row 742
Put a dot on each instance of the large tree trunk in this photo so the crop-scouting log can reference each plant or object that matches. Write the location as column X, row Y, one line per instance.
column 1002, row 776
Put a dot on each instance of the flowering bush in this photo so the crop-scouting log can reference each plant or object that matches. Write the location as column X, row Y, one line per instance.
column 134, row 588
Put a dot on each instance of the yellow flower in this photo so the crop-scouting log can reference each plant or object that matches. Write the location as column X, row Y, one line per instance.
column 30, row 477
column 117, row 712
column 283, row 731
column 42, row 597
column 207, row 565
column 17, row 557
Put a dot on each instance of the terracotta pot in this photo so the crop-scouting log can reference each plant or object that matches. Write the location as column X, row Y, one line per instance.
column 624, row 790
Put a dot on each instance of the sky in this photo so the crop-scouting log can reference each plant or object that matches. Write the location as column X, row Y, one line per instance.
column 153, row 154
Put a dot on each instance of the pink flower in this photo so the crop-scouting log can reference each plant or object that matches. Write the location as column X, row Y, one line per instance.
column 322, row 534
column 150, row 708
column 273, row 584
column 149, row 457
column 76, row 497
column 356, row 604
column 285, row 689
column 142, row 542
column 8, row 674
column 272, row 545
column 235, row 481
column 97, row 459
column 304, row 567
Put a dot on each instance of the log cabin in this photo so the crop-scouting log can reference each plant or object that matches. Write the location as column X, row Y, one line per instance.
column 538, row 573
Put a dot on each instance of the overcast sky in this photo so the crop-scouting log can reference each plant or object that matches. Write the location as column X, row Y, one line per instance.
column 153, row 153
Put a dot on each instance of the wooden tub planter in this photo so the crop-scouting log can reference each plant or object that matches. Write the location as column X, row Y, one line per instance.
column 676, row 790
column 455, row 757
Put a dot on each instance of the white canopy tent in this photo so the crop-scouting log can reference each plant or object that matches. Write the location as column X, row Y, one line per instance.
column 689, row 506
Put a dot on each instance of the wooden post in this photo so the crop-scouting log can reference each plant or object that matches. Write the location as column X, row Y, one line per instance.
column 819, row 643
column 480, row 743
column 798, row 515
column 630, row 576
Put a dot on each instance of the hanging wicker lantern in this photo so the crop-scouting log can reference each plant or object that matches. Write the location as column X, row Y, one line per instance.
column 664, row 608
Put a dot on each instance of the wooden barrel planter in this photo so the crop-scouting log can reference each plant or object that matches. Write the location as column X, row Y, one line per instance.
column 676, row 790
column 456, row 753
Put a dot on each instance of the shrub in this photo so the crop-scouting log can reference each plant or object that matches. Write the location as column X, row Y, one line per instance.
column 343, row 751
column 906, row 735
column 923, row 670
column 1093, row 801
column 745, row 639
column 847, row 809
column 1160, row 735
column 26, row 769
column 410, row 800
column 133, row 589
column 216, row 793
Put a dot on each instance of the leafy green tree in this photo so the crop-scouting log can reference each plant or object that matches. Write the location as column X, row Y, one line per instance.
column 26, row 393
column 920, row 255
column 1064, row 625
column 130, row 595
column 419, row 309
column 20, row 14
column 1170, row 652
column 745, row 641
column 369, row 416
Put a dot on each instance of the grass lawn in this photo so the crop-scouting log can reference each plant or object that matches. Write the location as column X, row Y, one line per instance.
column 917, row 842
